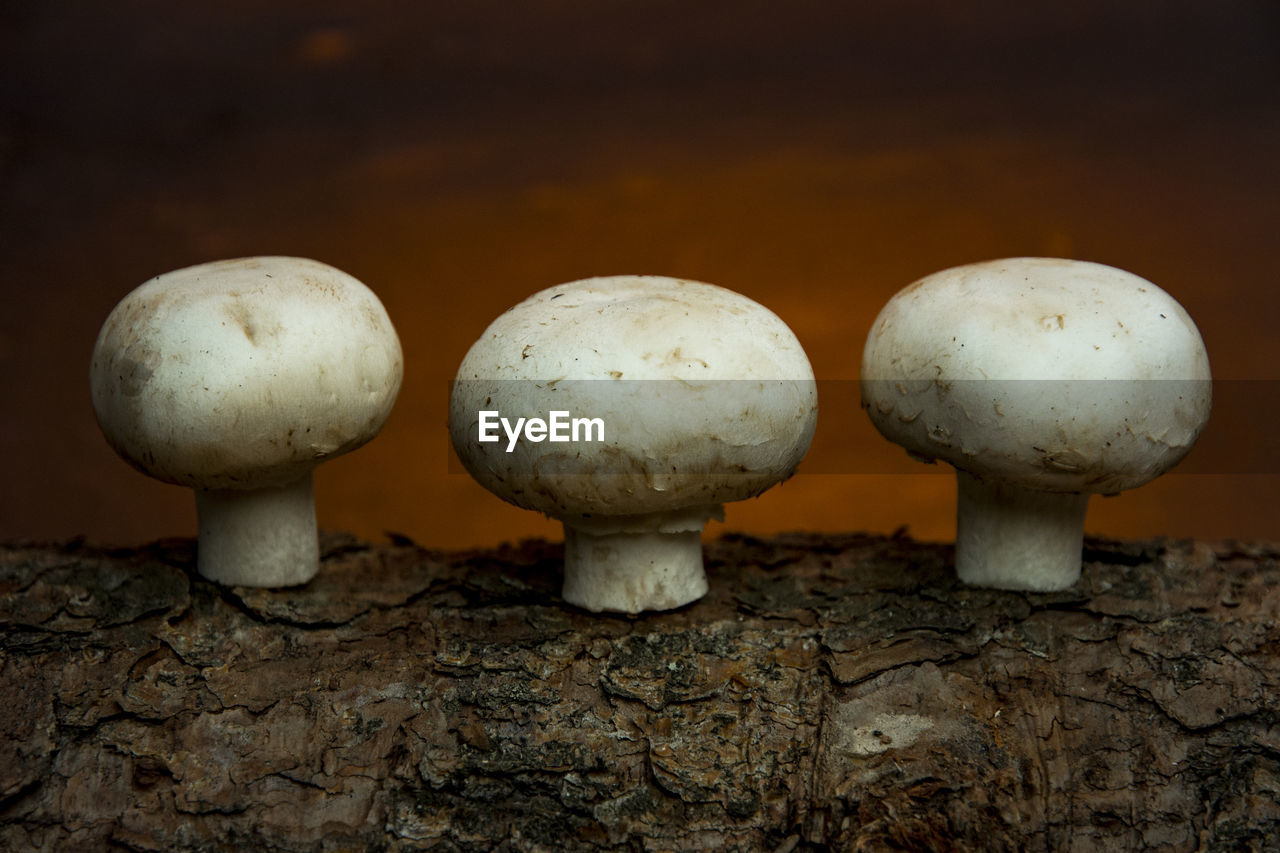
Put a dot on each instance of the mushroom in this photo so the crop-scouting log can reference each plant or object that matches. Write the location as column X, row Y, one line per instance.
column 237, row 378
column 701, row 395
column 1041, row 381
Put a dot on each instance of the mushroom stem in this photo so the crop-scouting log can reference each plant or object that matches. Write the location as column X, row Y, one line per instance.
column 1011, row 537
column 258, row 537
column 631, row 572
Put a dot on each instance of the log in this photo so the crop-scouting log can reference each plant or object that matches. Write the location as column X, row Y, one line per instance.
column 830, row 693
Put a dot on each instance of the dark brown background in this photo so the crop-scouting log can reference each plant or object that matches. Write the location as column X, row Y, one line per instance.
column 816, row 156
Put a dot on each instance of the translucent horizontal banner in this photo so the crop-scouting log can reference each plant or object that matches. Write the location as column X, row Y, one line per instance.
column 729, row 427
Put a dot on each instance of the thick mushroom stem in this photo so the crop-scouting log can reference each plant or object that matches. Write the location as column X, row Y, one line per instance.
column 258, row 537
column 631, row 572
column 1011, row 537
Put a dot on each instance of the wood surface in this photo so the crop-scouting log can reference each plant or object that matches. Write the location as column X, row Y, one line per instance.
column 830, row 693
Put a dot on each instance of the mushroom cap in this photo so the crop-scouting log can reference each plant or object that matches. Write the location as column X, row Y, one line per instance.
column 705, row 396
column 1059, row 375
column 244, row 373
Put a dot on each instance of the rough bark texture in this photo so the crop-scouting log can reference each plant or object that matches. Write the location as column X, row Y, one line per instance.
column 839, row 693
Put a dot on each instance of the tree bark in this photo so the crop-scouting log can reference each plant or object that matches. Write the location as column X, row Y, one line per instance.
column 829, row 693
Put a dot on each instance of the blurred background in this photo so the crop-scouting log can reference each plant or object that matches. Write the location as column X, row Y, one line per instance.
column 816, row 156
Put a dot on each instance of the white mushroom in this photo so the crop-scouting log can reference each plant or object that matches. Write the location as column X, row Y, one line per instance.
column 1042, row 381
column 702, row 395
column 237, row 378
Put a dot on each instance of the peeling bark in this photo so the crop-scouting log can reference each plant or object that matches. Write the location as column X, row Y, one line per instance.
column 831, row 692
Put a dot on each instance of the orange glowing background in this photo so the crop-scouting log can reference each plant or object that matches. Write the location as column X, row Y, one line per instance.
column 815, row 156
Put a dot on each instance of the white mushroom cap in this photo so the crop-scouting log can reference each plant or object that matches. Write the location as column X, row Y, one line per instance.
column 688, row 423
column 1056, row 375
column 244, row 373
column 706, row 397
